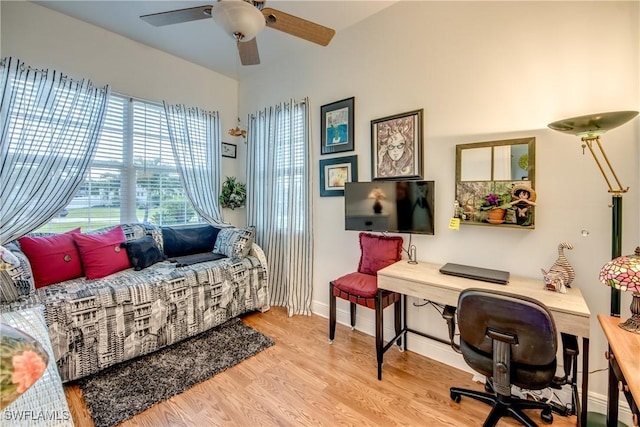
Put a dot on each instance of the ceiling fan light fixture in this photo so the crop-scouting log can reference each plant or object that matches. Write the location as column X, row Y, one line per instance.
column 238, row 18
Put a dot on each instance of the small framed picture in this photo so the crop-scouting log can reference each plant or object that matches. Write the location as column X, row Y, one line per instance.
column 336, row 124
column 396, row 146
column 335, row 172
column 229, row 150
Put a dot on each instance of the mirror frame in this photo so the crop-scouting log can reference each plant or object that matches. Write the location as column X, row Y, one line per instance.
column 471, row 213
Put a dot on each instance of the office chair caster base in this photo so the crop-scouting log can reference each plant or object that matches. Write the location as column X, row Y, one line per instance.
column 547, row 416
column 330, row 341
column 456, row 397
column 488, row 387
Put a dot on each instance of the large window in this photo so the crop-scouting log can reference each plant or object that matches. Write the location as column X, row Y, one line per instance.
column 133, row 176
column 290, row 171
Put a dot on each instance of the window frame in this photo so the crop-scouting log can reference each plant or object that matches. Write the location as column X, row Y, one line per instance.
column 121, row 122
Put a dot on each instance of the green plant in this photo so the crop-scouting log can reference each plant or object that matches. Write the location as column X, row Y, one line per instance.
column 493, row 200
column 233, row 194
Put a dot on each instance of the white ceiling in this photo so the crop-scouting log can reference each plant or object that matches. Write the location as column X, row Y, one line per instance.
column 203, row 42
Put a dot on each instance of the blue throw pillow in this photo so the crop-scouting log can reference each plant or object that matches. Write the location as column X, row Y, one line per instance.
column 143, row 252
column 193, row 239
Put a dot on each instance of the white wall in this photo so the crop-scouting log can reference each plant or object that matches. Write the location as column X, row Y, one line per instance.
column 482, row 71
column 46, row 39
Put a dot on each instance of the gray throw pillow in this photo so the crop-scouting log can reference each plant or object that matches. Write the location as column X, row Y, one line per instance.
column 235, row 242
column 15, row 277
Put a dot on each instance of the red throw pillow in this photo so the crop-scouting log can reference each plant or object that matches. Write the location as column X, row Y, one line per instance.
column 101, row 253
column 378, row 252
column 53, row 259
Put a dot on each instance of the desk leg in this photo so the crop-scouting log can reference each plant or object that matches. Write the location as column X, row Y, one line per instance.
column 582, row 415
column 397, row 318
column 404, row 320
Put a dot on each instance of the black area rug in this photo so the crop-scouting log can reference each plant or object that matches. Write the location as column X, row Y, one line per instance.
column 124, row 390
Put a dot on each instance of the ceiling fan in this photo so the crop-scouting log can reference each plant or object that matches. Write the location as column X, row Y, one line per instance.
column 243, row 20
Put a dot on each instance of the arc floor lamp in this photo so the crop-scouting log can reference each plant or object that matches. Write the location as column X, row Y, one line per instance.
column 589, row 128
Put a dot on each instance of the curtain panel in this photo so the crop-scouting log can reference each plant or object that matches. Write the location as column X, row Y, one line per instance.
column 197, row 148
column 50, row 127
column 279, row 200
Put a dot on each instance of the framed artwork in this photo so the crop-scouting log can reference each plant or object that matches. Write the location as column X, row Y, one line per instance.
column 396, row 146
column 335, row 172
column 229, row 150
column 336, row 123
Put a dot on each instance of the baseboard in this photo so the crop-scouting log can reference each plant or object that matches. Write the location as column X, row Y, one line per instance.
column 444, row 354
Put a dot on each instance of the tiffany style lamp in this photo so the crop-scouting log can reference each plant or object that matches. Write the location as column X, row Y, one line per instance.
column 623, row 273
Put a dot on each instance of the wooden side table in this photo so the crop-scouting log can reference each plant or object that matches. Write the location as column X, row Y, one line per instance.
column 624, row 368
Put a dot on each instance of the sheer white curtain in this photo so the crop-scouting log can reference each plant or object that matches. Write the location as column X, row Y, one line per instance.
column 279, row 200
column 196, row 142
column 50, row 126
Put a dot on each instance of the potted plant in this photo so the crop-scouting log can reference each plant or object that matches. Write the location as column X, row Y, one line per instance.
column 233, row 194
column 496, row 205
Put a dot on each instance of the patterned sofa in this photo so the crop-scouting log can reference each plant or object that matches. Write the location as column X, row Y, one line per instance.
column 94, row 324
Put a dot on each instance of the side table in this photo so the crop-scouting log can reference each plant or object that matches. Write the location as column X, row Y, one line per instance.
column 624, row 368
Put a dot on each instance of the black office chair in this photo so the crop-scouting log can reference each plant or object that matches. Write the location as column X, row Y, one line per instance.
column 511, row 340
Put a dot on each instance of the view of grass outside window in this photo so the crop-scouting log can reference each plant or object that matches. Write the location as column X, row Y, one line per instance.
column 133, row 177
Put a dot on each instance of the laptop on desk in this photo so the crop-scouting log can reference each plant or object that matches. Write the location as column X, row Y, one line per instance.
column 476, row 273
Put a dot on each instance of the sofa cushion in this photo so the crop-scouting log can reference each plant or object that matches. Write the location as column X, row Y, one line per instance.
column 194, row 239
column 359, row 284
column 9, row 263
column 21, row 275
column 143, row 252
column 234, row 242
column 185, row 260
column 101, row 253
column 378, row 252
column 53, row 258
column 131, row 230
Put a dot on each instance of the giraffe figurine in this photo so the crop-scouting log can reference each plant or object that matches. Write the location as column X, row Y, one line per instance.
column 561, row 269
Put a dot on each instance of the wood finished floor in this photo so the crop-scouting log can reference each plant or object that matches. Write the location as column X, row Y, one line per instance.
column 304, row 381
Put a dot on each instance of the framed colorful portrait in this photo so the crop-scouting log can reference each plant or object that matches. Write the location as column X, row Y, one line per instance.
column 335, row 172
column 396, row 146
column 336, row 124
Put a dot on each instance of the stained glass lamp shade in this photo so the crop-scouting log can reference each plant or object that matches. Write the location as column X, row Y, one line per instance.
column 623, row 273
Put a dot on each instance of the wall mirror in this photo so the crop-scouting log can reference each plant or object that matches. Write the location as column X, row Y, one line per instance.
column 495, row 183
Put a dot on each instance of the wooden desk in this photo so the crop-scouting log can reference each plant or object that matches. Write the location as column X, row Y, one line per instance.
column 424, row 280
column 624, row 368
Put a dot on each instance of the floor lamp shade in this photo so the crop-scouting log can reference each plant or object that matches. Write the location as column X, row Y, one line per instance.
column 589, row 128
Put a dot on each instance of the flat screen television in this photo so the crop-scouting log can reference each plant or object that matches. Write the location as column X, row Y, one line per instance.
column 393, row 206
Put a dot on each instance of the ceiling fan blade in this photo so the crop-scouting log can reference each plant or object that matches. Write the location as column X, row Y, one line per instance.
column 298, row 27
column 178, row 16
column 248, row 52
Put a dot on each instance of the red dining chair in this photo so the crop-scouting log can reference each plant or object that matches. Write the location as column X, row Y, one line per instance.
column 361, row 287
